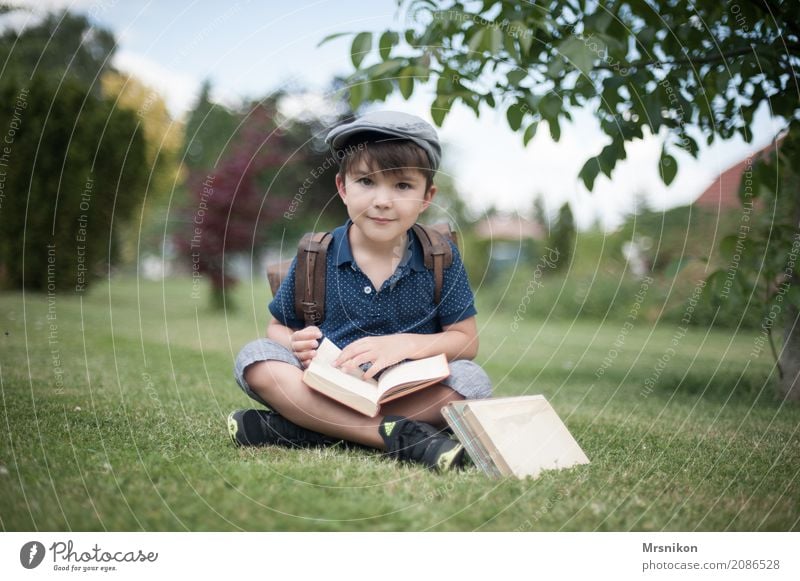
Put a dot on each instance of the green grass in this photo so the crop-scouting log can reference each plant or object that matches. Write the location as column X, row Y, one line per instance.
column 134, row 436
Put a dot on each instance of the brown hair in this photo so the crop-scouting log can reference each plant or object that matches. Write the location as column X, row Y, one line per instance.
column 380, row 152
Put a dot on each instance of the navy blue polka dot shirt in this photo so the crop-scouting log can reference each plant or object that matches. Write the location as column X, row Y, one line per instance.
column 403, row 304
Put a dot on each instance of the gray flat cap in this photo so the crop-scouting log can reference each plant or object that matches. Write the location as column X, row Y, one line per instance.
column 393, row 124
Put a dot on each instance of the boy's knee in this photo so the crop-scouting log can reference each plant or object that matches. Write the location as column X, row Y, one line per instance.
column 266, row 374
column 469, row 379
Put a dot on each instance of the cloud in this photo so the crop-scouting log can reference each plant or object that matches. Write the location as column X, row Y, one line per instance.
column 180, row 90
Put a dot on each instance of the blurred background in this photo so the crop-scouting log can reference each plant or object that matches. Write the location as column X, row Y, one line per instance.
column 164, row 140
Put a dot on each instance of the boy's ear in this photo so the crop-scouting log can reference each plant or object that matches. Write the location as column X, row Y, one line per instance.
column 428, row 198
column 340, row 186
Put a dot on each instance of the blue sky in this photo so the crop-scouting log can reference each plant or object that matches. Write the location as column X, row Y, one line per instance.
column 250, row 48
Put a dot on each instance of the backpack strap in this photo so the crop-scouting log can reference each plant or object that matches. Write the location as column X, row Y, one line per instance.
column 309, row 277
column 437, row 253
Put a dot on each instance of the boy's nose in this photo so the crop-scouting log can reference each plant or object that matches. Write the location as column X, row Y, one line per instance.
column 382, row 197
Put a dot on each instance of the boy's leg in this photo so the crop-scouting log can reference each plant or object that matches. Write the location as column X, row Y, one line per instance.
column 424, row 406
column 275, row 379
column 281, row 385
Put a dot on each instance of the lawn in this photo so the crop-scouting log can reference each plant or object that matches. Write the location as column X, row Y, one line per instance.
column 114, row 406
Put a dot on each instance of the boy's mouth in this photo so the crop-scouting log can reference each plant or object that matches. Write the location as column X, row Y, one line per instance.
column 380, row 220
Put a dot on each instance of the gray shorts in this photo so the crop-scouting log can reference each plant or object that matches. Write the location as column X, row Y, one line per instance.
column 466, row 377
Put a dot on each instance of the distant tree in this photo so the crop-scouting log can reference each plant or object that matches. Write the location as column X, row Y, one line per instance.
column 268, row 185
column 62, row 44
column 209, row 129
column 163, row 145
column 562, row 236
column 448, row 205
column 540, row 215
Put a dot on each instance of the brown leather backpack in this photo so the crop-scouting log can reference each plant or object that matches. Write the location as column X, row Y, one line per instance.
column 312, row 253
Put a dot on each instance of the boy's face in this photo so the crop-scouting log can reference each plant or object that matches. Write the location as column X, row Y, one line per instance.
column 384, row 204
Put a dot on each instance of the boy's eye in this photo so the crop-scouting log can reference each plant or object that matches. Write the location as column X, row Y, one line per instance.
column 365, row 181
column 404, row 186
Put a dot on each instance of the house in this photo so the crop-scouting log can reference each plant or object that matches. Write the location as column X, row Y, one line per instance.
column 508, row 239
column 655, row 240
column 509, row 227
column 722, row 195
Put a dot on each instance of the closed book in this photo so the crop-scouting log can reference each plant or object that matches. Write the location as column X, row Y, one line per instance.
column 514, row 436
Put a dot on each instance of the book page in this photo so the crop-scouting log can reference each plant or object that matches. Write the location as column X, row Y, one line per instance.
column 328, row 352
column 418, row 371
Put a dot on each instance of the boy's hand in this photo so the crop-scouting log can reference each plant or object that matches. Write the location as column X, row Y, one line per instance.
column 382, row 351
column 305, row 343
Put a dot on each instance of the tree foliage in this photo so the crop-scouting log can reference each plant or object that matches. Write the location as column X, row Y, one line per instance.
column 687, row 72
column 63, row 45
column 72, row 165
column 656, row 66
column 262, row 181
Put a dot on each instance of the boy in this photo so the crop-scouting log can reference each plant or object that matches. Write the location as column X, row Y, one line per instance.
column 379, row 309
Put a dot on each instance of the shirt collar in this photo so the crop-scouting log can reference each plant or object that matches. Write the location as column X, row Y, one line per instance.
column 343, row 254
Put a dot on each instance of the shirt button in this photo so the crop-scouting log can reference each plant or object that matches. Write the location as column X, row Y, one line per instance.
column 367, row 290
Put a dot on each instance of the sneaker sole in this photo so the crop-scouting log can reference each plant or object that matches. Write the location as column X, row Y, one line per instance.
column 233, row 428
column 451, row 459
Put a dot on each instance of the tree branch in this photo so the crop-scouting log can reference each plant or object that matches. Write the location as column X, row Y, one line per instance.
column 688, row 60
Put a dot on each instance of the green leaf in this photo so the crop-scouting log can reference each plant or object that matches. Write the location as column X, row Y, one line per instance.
column 556, row 67
column 382, row 69
column 362, row 44
column 494, row 40
column 550, row 106
column 577, row 52
column 330, row 37
column 514, row 115
column 530, row 132
column 727, row 246
column 511, row 48
column 476, row 40
column 608, row 158
column 440, row 108
column 589, row 172
column 387, row 41
column 358, row 91
column 600, row 19
column 525, row 35
column 667, row 167
column 516, row 76
column 378, row 90
column 555, row 129
column 405, row 81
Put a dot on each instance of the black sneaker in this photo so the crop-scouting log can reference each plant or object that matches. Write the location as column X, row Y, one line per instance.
column 414, row 441
column 265, row 427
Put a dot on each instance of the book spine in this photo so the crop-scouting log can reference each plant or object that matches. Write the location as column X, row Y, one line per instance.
column 495, row 458
column 471, row 444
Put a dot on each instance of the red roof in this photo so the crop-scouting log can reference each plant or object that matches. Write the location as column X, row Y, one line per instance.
column 723, row 193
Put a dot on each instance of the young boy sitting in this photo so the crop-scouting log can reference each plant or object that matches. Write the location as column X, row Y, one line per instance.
column 379, row 309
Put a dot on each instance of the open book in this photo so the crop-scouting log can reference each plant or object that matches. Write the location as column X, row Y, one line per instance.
column 367, row 395
column 519, row 436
